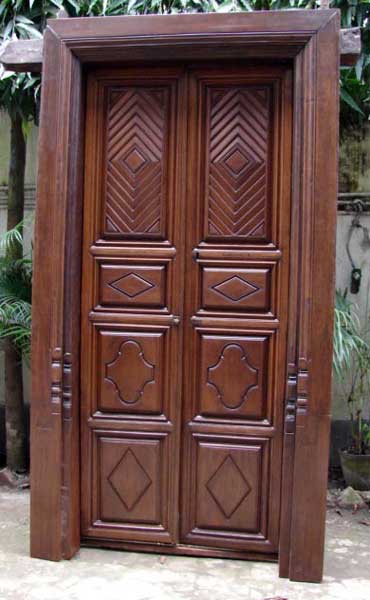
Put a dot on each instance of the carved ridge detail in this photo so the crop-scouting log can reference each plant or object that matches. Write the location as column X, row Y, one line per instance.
column 250, row 288
column 67, row 385
column 56, row 380
column 122, row 369
column 129, row 468
column 226, row 369
column 142, row 285
column 237, row 172
column 136, row 146
column 302, row 391
column 229, row 472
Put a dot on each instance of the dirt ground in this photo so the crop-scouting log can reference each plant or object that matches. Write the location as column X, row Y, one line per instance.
column 110, row 575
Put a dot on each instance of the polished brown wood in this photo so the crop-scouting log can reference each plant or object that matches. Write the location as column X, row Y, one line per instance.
column 232, row 433
column 182, row 387
column 130, row 370
column 27, row 55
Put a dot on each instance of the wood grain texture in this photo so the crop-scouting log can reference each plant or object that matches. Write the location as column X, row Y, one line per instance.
column 26, row 55
column 130, row 378
column 298, row 388
column 238, row 128
column 135, row 160
column 132, row 286
column 236, row 289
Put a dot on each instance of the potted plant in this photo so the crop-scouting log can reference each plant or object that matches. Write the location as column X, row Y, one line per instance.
column 352, row 368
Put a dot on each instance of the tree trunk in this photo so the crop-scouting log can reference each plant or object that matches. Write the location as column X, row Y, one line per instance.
column 14, row 402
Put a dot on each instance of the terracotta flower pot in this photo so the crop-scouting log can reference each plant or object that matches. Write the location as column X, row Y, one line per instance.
column 356, row 469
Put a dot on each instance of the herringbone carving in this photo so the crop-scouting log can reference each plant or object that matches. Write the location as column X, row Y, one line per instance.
column 239, row 123
column 136, row 146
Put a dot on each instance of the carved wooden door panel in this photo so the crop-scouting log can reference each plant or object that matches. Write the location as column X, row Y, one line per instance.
column 131, row 293
column 237, row 261
column 185, row 271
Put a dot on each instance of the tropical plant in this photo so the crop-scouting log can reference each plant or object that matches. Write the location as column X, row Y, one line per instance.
column 19, row 98
column 15, row 294
column 351, row 362
column 15, row 335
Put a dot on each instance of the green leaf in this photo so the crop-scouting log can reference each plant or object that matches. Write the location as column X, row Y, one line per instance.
column 23, row 19
column 347, row 98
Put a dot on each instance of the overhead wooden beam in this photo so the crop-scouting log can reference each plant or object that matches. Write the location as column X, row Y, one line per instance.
column 22, row 55
column 26, row 55
column 350, row 46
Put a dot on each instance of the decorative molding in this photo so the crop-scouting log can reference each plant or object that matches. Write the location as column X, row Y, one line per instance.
column 228, row 486
column 221, row 382
column 245, row 288
column 67, row 386
column 135, row 155
column 291, row 402
column 302, row 391
column 130, row 375
column 239, row 125
column 129, row 480
column 56, row 380
column 27, row 55
column 131, row 285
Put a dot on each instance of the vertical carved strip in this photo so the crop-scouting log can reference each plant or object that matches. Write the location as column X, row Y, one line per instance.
column 302, row 388
column 291, row 402
column 66, row 451
column 67, row 386
column 56, row 381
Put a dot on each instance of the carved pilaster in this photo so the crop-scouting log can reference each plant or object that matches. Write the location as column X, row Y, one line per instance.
column 291, row 403
column 67, row 385
column 302, row 388
column 56, row 380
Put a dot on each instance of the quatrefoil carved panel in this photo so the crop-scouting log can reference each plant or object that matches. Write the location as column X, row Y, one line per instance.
column 232, row 376
column 130, row 372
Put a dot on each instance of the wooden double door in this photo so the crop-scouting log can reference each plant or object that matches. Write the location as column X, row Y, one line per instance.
column 184, row 306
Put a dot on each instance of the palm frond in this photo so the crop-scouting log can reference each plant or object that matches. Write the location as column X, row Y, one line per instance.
column 348, row 340
column 15, row 293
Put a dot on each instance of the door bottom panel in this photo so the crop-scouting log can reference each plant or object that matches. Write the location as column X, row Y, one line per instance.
column 179, row 550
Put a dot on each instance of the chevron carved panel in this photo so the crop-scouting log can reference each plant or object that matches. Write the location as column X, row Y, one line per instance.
column 239, row 125
column 136, row 158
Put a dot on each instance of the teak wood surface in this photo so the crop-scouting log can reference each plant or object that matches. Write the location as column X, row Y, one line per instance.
column 183, row 293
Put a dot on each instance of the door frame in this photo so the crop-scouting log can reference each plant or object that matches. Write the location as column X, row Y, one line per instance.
column 309, row 41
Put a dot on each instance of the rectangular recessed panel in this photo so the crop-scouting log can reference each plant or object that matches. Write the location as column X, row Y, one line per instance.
column 236, row 289
column 133, row 285
column 237, row 145
column 233, row 376
column 129, row 480
column 136, row 160
column 130, row 372
column 228, row 504
column 228, row 487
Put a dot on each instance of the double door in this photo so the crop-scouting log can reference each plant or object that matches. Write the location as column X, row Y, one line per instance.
column 184, row 306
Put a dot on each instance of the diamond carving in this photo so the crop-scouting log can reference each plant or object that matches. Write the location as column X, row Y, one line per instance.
column 130, row 372
column 237, row 160
column 228, row 487
column 235, row 288
column 237, row 171
column 232, row 377
column 131, row 285
column 134, row 160
column 129, row 480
